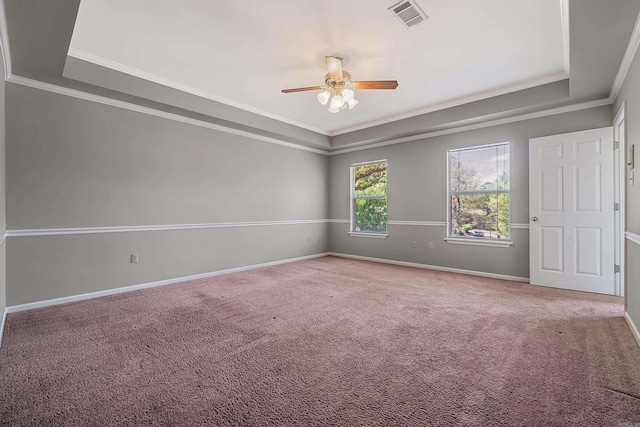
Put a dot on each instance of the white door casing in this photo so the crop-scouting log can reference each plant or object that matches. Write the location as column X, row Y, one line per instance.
column 619, row 179
column 571, row 206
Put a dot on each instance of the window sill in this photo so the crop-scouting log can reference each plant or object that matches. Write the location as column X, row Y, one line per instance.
column 370, row 235
column 474, row 242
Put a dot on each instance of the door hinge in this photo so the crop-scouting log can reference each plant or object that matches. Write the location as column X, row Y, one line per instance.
column 616, row 268
column 616, row 145
column 616, row 206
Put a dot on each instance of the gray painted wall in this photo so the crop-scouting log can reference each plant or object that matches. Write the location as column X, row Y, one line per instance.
column 47, row 267
column 416, row 191
column 599, row 32
column 74, row 163
column 630, row 93
column 87, row 72
column 487, row 109
column 40, row 32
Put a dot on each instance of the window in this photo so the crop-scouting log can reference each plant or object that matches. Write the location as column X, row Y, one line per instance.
column 479, row 195
column 369, row 199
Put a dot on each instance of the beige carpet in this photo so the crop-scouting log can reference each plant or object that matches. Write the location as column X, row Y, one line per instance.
column 325, row 342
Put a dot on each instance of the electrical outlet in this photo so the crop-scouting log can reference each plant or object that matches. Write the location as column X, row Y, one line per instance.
column 414, row 244
column 134, row 258
column 430, row 245
column 308, row 239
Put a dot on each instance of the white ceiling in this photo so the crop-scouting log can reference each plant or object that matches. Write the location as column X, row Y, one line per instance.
column 243, row 52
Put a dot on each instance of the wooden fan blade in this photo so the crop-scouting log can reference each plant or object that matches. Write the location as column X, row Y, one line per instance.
column 377, row 84
column 334, row 64
column 301, row 89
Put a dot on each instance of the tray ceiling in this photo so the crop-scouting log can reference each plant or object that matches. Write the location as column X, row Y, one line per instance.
column 243, row 52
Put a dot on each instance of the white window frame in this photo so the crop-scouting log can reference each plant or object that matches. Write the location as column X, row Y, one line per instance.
column 352, row 197
column 476, row 241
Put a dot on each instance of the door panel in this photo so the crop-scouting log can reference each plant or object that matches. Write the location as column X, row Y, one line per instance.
column 551, row 189
column 588, row 188
column 551, row 151
column 588, row 250
column 571, row 207
column 552, row 239
column 587, row 148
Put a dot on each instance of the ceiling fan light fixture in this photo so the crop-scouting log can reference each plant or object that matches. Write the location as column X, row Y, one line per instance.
column 338, row 90
column 337, row 101
column 323, row 97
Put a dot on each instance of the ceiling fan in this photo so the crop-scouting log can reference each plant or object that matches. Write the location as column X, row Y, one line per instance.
column 338, row 90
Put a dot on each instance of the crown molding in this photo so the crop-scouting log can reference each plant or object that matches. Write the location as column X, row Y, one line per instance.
column 116, row 66
column 632, row 47
column 4, row 42
column 627, row 59
column 135, row 72
column 481, row 125
column 456, row 102
column 36, row 84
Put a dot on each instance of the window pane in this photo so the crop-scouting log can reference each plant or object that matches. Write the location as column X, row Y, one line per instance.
column 370, row 215
column 370, row 180
column 479, row 169
column 480, row 215
column 369, row 198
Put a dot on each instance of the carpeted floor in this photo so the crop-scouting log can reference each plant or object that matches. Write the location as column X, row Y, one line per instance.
column 325, row 342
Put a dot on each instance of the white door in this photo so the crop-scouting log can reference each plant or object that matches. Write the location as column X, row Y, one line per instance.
column 572, row 211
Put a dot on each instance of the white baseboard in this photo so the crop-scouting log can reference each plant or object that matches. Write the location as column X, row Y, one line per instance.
column 72, row 298
column 4, row 318
column 64, row 300
column 633, row 327
column 434, row 267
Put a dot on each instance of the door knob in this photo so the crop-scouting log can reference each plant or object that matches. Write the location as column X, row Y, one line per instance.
column 534, row 218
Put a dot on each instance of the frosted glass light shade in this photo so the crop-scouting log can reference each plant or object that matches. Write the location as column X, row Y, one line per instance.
column 323, row 97
column 347, row 94
column 352, row 103
column 333, row 110
column 337, row 101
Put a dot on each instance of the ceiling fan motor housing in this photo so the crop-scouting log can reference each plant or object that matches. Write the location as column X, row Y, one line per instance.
column 333, row 83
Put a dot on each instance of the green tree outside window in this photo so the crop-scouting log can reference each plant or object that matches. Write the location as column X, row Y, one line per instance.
column 369, row 197
column 479, row 184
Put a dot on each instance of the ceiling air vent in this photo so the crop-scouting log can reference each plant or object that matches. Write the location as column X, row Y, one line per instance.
column 408, row 12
